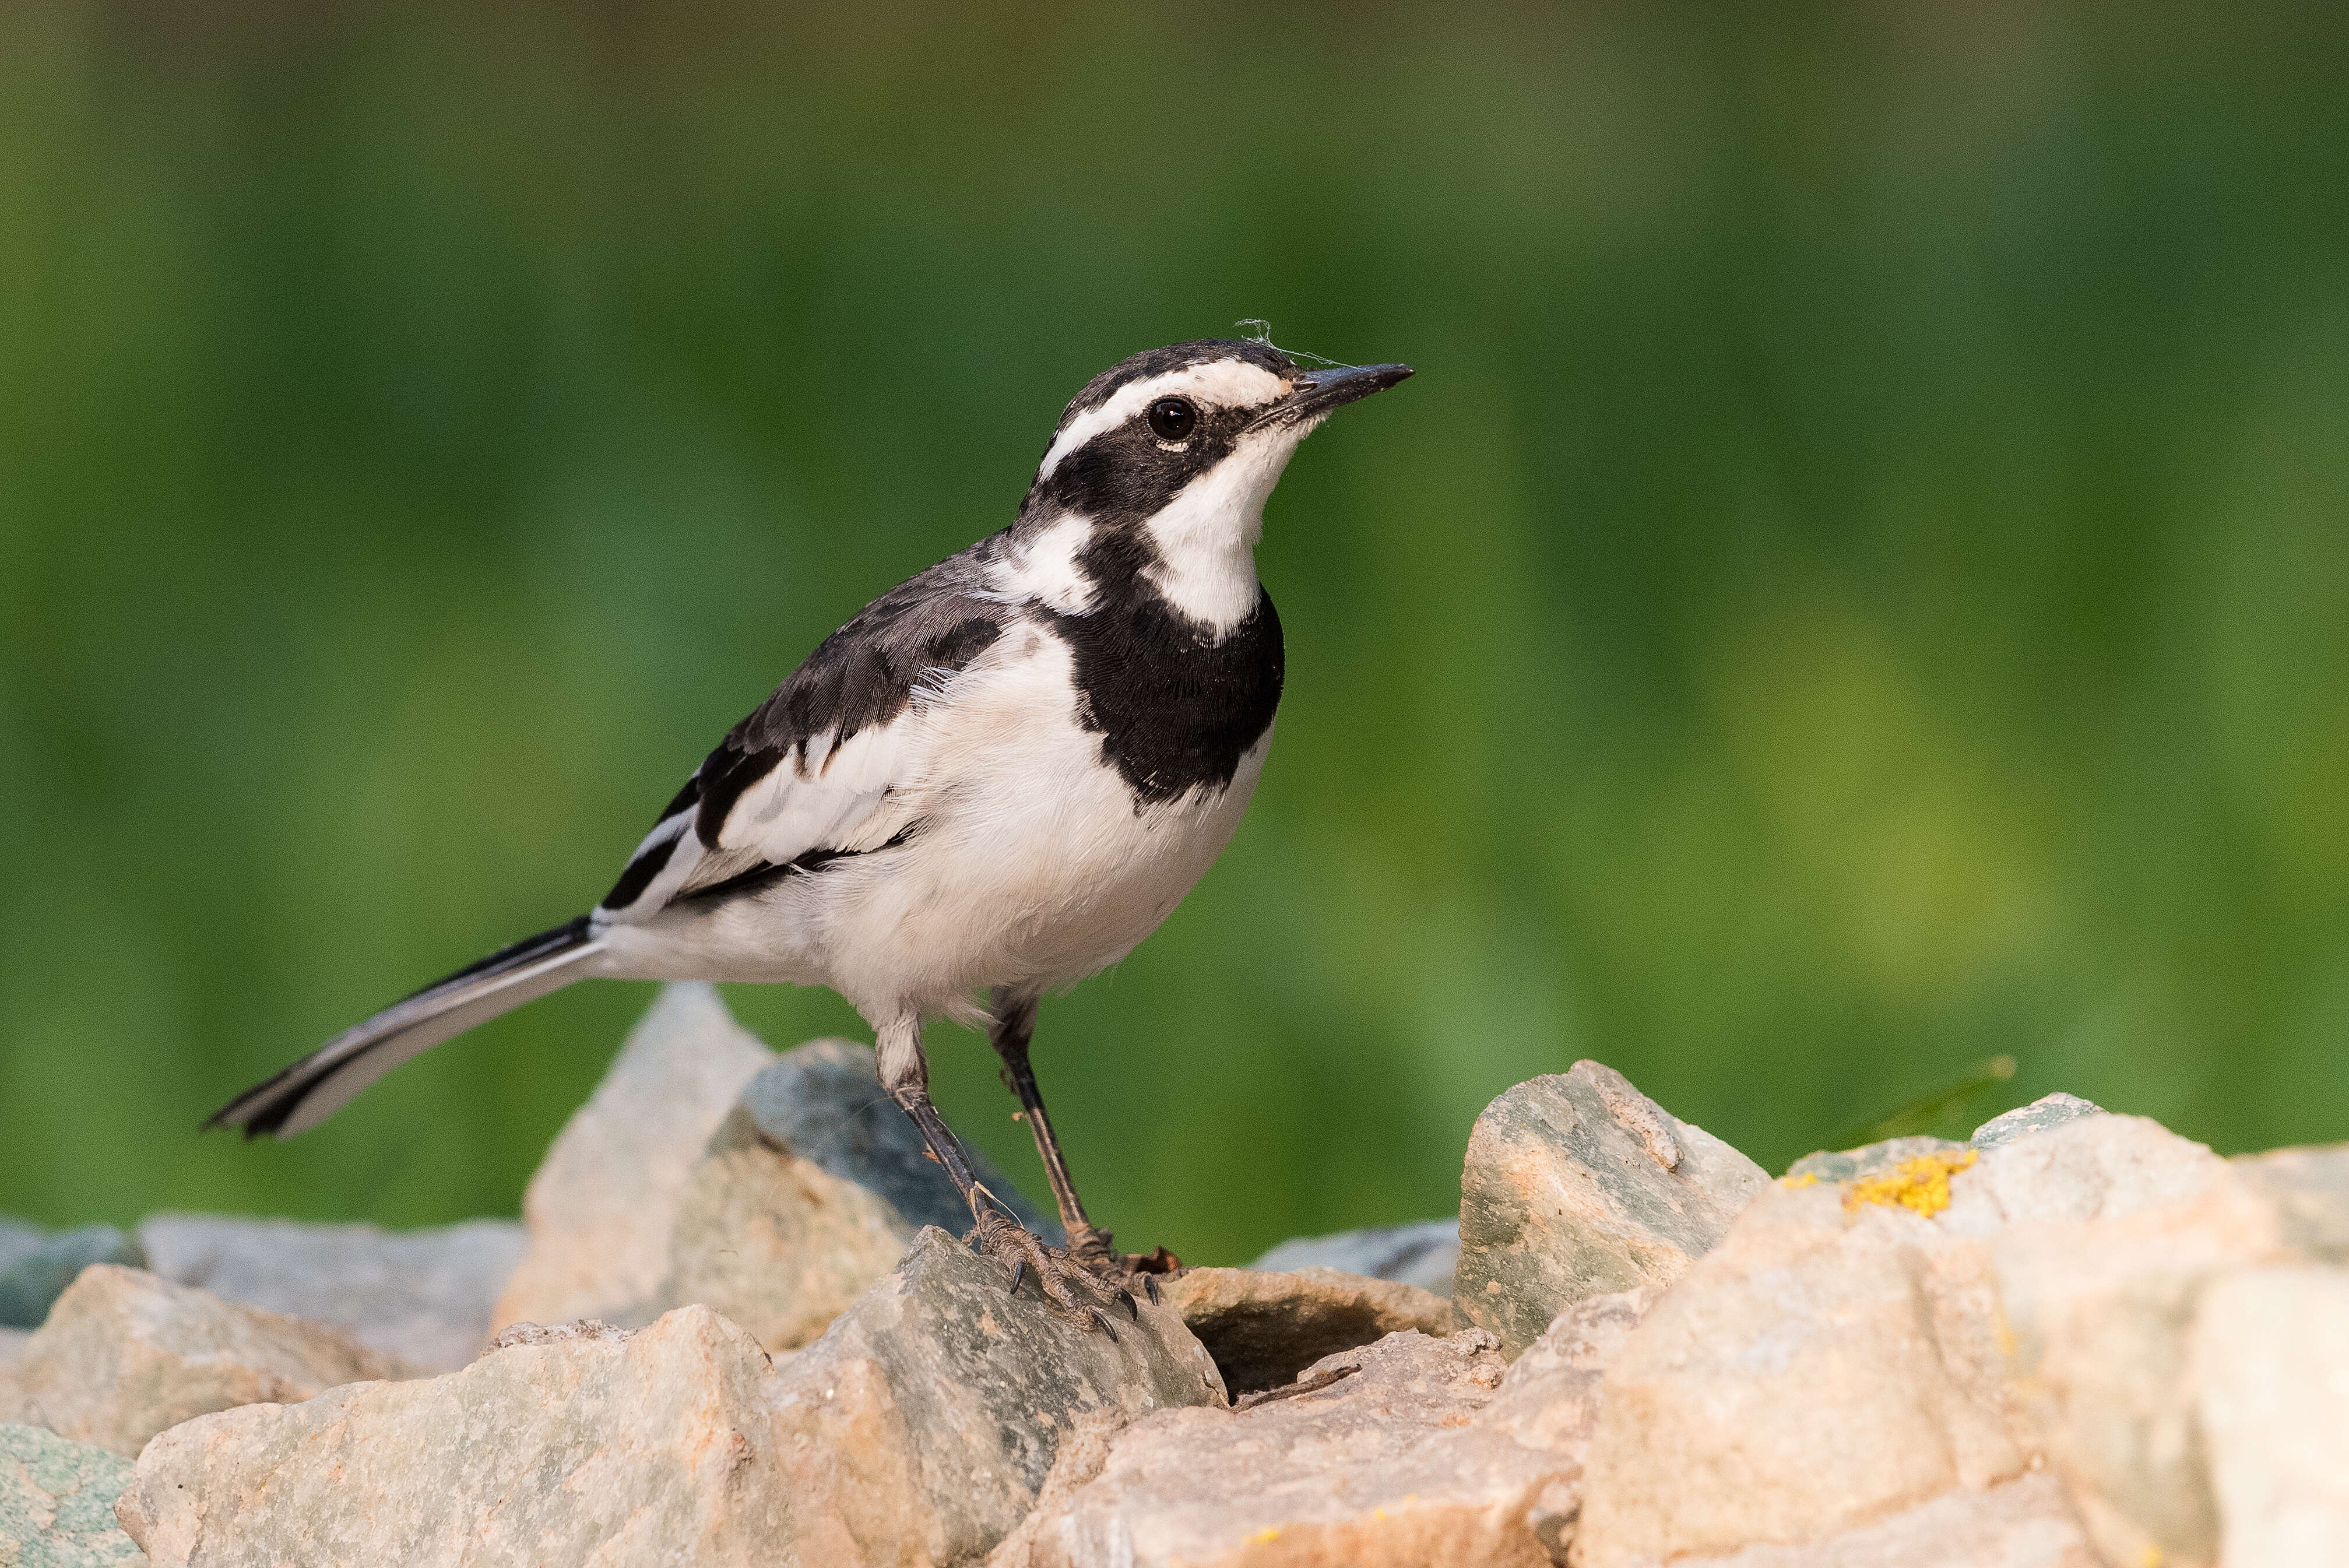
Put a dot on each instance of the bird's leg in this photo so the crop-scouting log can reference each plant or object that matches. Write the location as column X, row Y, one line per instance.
column 1013, row 1025
column 1071, row 1290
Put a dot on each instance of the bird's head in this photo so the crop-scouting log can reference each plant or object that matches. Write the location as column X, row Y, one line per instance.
column 1167, row 460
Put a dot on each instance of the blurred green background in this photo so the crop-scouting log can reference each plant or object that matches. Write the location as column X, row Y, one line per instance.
column 1860, row 583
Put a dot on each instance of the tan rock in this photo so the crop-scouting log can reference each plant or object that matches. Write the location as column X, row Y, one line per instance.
column 1852, row 1354
column 125, row 1354
column 1578, row 1185
column 1265, row 1327
column 2271, row 1360
column 1819, row 1369
column 1387, row 1466
column 917, row 1431
column 424, row 1297
column 602, row 1202
column 2021, row 1523
column 658, row 1448
column 2099, row 1313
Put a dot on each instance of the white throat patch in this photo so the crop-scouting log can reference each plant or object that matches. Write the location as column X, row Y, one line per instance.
column 1207, row 535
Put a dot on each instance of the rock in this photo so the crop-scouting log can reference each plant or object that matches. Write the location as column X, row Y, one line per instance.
column 916, row 1431
column 1907, row 1348
column 1425, row 1254
column 2308, row 1190
column 1263, row 1329
column 2039, row 1116
column 1819, row 1368
column 654, row 1448
column 602, row 1202
column 125, row 1354
column 36, row 1265
column 1851, row 1164
column 587, row 1328
column 2020, row 1524
column 2271, row 1359
column 1577, row 1185
column 1386, row 1467
column 57, row 1502
column 811, row 1189
column 422, row 1295
column 1848, row 1165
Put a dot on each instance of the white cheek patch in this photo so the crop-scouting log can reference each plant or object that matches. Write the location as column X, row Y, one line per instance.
column 1222, row 384
column 1045, row 569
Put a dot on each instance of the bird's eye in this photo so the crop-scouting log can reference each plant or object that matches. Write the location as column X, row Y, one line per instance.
column 1173, row 418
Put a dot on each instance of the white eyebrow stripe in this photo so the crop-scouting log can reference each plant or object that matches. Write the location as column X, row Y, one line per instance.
column 1221, row 383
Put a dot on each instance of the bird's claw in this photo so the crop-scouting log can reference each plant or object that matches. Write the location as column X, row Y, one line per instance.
column 1072, row 1292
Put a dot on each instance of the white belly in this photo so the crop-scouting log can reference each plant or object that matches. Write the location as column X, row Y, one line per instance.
column 1031, row 867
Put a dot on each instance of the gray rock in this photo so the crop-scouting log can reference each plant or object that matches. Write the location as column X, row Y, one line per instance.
column 2042, row 1115
column 810, row 1191
column 1577, row 1185
column 824, row 1103
column 918, row 1430
column 422, row 1295
column 125, row 1354
column 1264, row 1328
column 1425, row 1254
column 36, row 1265
column 57, row 1502
column 1386, row 1463
column 1868, row 1160
column 2047, row 1111
column 602, row 1202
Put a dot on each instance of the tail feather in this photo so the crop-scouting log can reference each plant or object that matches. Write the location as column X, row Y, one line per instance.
column 322, row 1083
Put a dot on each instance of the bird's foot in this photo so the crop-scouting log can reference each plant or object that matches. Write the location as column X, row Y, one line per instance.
column 1073, row 1290
column 1128, row 1270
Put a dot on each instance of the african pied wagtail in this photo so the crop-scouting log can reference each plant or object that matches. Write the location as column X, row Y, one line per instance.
column 999, row 777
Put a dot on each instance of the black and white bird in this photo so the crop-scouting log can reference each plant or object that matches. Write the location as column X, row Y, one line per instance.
column 995, row 781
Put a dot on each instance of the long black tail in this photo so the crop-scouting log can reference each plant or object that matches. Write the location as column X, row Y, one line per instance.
column 320, row 1083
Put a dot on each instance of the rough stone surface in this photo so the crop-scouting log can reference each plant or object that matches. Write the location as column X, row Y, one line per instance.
column 1819, row 1369
column 2047, row 1111
column 57, row 1502
column 2271, row 1354
column 2021, row 1523
column 811, row 1189
column 2308, row 1190
column 1576, row 1185
column 1387, row 1468
column 36, row 1265
column 1834, row 1363
column 1263, row 1329
column 1425, row 1255
column 917, row 1431
column 422, row 1295
column 125, row 1354
column 602, row 1202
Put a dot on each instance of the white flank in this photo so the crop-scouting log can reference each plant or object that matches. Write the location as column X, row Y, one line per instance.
column 1222, row 384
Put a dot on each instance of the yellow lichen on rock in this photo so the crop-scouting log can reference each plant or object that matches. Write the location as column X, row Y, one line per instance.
column 1808, row 1178
column 1921, row 1185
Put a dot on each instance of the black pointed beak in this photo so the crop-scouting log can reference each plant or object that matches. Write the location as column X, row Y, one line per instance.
column 1319, row 391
